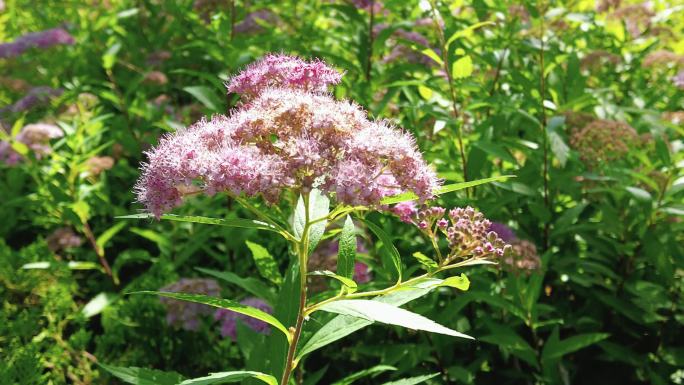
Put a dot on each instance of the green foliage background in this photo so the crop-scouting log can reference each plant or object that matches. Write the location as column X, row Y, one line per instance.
column 605, row 307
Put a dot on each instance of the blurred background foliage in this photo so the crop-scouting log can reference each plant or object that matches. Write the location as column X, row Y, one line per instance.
column 582, row 100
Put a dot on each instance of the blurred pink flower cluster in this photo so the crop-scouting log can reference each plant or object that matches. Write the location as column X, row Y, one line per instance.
column 36, row 137
column 288, row 133
column 184, row 314
column 229, row 319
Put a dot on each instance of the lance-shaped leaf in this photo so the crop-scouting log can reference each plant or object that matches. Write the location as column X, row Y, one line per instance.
column 409, row 196
column 232, row 222
column 375, row 370
column 223, row 304
column 389, row 314
column 459, row 282
column 347, row 249
column 387, row 245
column 266, row 264
column 319, row 207
column 428, row 263
column 412, row 380
column 226, row 377
column 143, row 376
column 342, row 325
column 347, row 282
column 252, row 285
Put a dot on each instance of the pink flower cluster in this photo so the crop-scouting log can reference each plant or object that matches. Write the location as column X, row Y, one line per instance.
column 228, row 319
column 284, row 72
column 287, row 134
column 42, row 39
column 183, row 314
column 466, row 230
column 36, row 137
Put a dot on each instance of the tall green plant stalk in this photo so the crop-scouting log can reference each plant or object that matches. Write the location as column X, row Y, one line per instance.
column 302, row 249
column 545, row 144
column 452, row 90
column 371, row 40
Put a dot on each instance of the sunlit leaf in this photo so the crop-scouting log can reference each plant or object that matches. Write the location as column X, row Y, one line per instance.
column 389, row 314
column 223, row 304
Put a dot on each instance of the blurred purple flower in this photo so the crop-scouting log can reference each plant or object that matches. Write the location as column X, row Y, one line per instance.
column 42, row 39
column 361, row 273
column 678, row 80
column 36, row 96
column 184, row 314
column 367, row 4
column 504, row 232
column 229, row 318
column 405, row 211
column 63, row 238
column 252, row 22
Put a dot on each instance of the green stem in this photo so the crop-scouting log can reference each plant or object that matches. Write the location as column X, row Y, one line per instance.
column 302, row 247
column 375, row 293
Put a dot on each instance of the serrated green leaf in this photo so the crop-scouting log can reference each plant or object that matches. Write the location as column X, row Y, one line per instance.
column 346, row 254
column 389, row 314
column 348, row 282
column 223, row 304
column 266, row 264
column 233, row 222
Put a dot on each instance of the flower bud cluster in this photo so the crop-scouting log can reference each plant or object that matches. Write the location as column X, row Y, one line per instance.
column 466, row 230
column 228, row 319
column 286, row 134
column 523, row 255
column 184, row 314
column 603, row 141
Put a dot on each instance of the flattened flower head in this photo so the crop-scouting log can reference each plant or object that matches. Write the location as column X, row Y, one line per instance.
column 287, row 138
column 283, row 71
